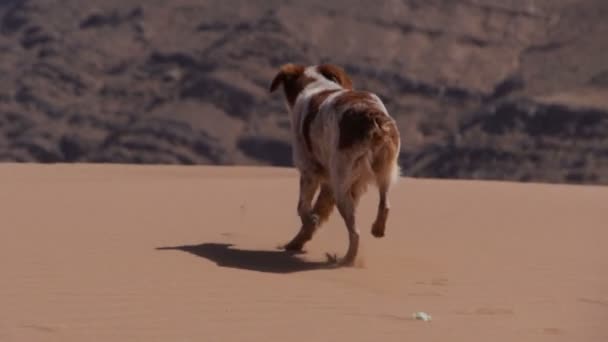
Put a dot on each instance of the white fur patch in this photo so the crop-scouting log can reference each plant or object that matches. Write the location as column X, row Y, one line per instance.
column 300, row 110
column 320, row 83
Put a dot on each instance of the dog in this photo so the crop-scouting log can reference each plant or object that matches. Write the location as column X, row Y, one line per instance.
column 343, row 140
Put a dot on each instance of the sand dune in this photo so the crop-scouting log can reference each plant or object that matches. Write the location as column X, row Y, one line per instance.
column 168, row 253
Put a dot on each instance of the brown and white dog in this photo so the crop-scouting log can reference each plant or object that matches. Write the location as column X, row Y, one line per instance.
column 343, row 140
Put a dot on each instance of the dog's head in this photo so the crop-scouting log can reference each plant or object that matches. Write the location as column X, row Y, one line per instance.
column 295, row 78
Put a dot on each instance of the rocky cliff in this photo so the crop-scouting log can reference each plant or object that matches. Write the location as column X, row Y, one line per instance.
column 512, row 90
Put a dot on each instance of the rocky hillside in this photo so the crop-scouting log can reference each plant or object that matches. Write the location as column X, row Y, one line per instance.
column 489, row 89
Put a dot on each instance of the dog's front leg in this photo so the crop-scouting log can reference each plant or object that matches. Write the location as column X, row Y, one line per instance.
column 308, row 187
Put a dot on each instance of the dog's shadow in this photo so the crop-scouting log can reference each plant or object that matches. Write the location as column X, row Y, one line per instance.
column 254, row 260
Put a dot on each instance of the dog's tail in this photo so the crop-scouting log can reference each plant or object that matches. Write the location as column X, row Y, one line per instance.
column 385, row 145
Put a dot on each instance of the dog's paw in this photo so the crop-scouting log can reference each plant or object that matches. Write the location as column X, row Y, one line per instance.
column 293, row 247
column 378, row 231
column 333, row 261
column 377, row 234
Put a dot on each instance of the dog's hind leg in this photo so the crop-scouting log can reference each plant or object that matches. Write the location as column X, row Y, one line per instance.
column 379, row 225
column 386, row 176
column 308, row 187
column 347, row 195
column 323, row 207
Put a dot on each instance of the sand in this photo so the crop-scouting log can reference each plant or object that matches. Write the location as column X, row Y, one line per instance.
column 169, row 253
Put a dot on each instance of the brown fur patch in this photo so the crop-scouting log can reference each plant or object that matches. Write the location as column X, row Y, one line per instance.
column 388, row 128
column 295, row 87
column 293, row 79
column 313, row 110
column 354, row 96
column 360, row 117
column 286, row 71
column 335, row 74
column 356, row 126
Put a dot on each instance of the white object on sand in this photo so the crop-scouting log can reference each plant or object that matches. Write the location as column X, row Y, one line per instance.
column 423, row 316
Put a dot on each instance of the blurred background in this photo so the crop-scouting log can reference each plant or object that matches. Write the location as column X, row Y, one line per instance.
column 481, row 89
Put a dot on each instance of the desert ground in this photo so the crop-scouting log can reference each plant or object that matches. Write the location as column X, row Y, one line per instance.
column 190, row 253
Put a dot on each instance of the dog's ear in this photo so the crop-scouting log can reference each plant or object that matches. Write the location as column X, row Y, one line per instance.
column 336, row 74
column 286, row 72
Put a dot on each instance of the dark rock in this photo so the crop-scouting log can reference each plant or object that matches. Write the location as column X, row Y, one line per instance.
column 14, row 18
column 270, row 151
column 234, row 101
column 98, row 20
